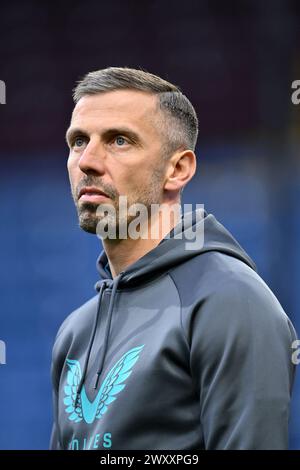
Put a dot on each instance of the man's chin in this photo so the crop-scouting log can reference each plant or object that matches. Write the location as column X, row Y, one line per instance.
column 88, row 225
column 87, row 217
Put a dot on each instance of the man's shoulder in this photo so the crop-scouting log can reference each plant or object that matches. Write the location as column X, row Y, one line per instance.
column 229, row 301
column 207, row 272
column 225, row 286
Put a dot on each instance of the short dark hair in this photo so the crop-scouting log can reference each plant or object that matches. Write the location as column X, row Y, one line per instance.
column 179, row 125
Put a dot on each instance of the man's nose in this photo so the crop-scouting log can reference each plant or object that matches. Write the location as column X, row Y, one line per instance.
column 92, row 158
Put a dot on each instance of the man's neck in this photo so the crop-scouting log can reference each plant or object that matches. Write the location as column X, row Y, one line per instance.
column 122, row 253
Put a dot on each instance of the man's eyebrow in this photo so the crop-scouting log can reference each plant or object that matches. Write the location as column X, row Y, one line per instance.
column 106, row 134
column 123, row 130
column 72, row 131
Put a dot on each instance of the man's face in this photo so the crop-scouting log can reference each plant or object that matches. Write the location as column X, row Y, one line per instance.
column 115, row 147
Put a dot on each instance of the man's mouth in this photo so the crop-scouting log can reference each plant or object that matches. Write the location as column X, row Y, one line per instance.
column 92, row 194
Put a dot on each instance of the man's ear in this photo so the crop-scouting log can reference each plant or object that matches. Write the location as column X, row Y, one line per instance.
column 181, row 169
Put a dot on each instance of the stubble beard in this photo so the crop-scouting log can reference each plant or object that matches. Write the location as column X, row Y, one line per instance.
column 90, row 214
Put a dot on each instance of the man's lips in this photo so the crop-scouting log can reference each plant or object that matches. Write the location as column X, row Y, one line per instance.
column 92, row 194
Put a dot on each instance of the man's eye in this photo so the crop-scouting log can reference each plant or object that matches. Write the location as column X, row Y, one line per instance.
column 78, row 141
column 120, row 141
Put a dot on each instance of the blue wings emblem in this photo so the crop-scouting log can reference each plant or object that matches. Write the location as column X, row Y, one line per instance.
column 112, row 385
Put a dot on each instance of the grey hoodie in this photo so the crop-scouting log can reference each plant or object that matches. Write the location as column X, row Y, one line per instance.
column 187, row 349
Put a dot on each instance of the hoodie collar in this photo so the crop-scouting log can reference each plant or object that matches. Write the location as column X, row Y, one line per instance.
column 172, row 251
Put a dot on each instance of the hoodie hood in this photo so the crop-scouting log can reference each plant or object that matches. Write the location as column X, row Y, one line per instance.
column 172, row 250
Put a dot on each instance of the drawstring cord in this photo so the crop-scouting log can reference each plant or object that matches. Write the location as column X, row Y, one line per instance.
column 107, row 330
column 103, row 285
column 106, row 335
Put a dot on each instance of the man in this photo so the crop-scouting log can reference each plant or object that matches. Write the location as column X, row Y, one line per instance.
column 183, row 347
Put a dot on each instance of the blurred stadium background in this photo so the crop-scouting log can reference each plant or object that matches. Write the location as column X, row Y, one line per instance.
column 236, row 62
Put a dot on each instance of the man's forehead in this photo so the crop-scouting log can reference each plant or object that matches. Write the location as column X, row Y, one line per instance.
column 134, row 103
